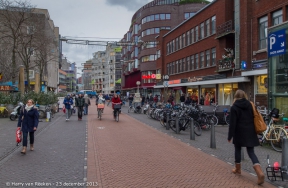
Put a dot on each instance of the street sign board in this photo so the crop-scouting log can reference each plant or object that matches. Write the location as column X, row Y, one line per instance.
column 277, row 43
column 165, row 77
column 165, row 83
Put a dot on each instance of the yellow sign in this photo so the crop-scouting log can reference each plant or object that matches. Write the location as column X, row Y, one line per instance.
column 158, row 76
column 118, row 49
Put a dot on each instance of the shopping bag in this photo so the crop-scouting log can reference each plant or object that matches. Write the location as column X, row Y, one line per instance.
column 64, row 109
column 18, row 135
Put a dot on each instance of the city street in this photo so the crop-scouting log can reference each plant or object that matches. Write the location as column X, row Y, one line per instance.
column 134, row 152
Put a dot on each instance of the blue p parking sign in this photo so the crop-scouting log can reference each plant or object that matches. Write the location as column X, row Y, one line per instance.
column 277, row 43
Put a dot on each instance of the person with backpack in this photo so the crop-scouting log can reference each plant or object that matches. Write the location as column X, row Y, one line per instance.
column 28, row 121
column 68, row 102
column 242, row 131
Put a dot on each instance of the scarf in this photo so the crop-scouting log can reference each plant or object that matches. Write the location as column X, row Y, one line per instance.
column 27, row 108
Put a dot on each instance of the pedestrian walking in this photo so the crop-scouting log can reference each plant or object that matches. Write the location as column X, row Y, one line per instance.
column 86, row 104
column 28, row 121
column 68, row 102
column 80, row 101
column 142, row 100
column 242, row 130
column 130, row 98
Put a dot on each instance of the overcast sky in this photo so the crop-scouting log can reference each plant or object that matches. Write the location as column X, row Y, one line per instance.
column 99, row 19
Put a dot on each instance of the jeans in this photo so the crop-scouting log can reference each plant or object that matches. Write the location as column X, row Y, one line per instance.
column 250, row 151
column 80, row 110
column 25, row 136
column 68, row 113
column 85, row 109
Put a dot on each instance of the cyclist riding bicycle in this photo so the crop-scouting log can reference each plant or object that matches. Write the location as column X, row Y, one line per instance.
column 100, row 100
column 115, row 100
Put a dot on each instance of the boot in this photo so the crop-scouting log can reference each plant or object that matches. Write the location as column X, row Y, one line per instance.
column 237, row 169
column 259, row 173
column 24, row 150
column 31, row 147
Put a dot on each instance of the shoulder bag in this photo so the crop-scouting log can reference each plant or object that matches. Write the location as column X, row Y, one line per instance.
column 260, row 125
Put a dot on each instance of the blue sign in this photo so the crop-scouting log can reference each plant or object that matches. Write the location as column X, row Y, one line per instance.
column 277, row 43
column 243, row 65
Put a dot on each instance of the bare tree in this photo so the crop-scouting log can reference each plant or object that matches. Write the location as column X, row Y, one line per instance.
column 13, row 17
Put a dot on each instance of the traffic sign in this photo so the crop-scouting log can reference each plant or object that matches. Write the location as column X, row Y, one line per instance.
column 165, row 77
column 165, row 83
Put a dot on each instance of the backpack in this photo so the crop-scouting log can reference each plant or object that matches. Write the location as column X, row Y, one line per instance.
column 259, row 124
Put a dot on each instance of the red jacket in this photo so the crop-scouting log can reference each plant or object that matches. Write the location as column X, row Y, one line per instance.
column 115, row 100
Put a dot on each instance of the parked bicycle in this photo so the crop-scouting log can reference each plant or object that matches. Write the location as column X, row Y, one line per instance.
column 225, row 119
column 136, row 108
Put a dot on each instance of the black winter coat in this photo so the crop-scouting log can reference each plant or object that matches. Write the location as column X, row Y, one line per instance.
column 30, row 120
column 241, row 127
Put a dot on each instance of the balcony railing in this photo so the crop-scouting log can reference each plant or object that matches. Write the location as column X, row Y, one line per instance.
column 225, row 65
column 225, row 29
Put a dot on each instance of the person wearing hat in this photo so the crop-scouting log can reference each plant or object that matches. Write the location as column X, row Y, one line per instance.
column 68, row 102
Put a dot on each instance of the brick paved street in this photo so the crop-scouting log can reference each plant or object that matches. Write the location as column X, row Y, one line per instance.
column 129, row 153
column 59, row 154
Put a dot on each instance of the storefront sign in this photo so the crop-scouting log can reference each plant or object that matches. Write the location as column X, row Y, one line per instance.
column 174, row 82
column 149, row 76
column 5, row 88
column 277, row 43
column 158, row 76
column 194, row 79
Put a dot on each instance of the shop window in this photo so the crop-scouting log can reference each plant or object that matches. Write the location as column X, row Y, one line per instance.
column 229, row 92
column 208, row 96
column 261, row 84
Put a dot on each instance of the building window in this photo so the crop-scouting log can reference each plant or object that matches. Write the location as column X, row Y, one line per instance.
column 192, row 36
column 167, row 68
column 180, row 42
column 188, row 15
column 202, row 60
column 188, row 63
column 183, row 65
column 196, row 34
column 176, row 45
column 192, row 62
column 277, row 17
column 196, row 61
column 173, row 46
column 263, row 24
column 213, row 51
column 188, row 38
column 207, row 28
column 148, row 58
column 207, row 58
column 202, row 30
column 173, row 68
column 180, row 66
column 183, row 40
column 213, row 25
column 176, row 68
column 162, row 16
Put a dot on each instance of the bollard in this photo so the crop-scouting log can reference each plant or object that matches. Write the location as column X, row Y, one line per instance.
column 167, row 121
column 284, row 161
column 242, row 154
column 177, row 125
column 212, row 137
column 192, row 133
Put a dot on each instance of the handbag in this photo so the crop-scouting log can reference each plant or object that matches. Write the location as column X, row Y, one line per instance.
column 64, row 109
column 259, row 124
column 18, row 136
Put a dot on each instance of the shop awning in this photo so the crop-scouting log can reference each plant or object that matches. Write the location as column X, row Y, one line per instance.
column 254, row 72
column 206, row 82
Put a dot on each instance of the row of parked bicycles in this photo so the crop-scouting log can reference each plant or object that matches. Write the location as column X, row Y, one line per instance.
column 166, row 113
column 277, row 124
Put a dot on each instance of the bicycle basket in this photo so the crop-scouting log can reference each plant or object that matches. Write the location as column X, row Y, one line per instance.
column 117, row 106
column 100, row 106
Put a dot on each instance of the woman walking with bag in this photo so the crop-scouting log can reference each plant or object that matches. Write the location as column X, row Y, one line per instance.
column 28, row 118
column 242, row 130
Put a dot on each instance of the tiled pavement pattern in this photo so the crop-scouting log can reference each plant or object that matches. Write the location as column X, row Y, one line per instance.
column 129, row 153
column 59, row 155
column 224, row 150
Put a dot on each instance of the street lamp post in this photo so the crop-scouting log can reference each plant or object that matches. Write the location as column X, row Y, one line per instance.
column 138, row 83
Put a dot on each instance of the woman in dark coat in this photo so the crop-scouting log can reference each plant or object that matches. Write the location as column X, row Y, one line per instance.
column 243, row 132
column 29, row 118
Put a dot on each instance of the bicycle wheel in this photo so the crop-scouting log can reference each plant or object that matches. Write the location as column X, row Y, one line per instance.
column 99, row 114
column 197, row 128
column 41, row 114
column 117, row 116
column 227, row 118
column 172, row 124
column 213, row 120
column 276, row 137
